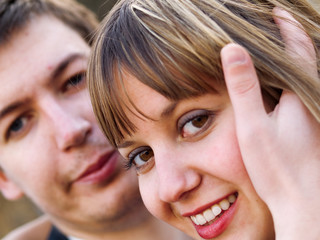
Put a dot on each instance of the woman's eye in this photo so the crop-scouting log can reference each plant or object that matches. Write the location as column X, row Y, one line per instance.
column 17, row 127
column 194, row 122
column 75, row 81
column 140, row 158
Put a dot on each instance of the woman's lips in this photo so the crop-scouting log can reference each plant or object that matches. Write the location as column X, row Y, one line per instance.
column 213, row 220
column 101, row 170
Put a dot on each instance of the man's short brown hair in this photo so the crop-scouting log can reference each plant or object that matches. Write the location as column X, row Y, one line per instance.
column 15, row 14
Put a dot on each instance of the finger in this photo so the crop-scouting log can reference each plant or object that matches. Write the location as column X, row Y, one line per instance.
column 242, row 84
column 298, row 44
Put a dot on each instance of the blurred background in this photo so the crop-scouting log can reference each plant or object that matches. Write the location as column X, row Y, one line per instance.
column 13, row 214
column 100, row 7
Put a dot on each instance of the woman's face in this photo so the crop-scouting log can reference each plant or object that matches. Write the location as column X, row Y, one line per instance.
column 191, row 173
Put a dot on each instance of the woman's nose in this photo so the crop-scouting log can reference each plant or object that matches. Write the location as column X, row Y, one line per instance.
column 176, row 176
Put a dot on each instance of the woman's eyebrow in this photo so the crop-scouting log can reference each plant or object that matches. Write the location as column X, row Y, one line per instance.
column 125, row 144
column 169, row 109
column 165, row 112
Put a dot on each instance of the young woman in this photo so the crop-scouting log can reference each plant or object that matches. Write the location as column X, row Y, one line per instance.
column 213, row 158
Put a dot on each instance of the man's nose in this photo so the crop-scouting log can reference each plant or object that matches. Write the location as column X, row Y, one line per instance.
column 176, row 176
column 70, row 128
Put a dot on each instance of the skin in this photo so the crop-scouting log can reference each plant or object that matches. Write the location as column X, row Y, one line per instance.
column 49, row 136
column 181, row 171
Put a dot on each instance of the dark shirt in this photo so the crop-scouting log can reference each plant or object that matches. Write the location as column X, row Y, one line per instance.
column 55, row 234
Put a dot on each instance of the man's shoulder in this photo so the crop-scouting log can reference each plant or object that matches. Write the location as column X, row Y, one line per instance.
column 37, row 229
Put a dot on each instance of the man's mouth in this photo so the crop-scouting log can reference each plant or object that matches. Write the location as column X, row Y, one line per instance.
column 101, row 170
column 209, row 215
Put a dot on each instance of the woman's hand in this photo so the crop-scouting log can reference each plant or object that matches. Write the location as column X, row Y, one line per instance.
column 281, row 149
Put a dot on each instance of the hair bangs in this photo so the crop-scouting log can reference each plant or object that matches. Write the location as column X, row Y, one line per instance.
column 127, row 45
column 174, row 48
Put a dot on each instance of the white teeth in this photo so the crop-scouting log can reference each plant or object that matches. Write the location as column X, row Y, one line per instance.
column 208, row 215
column 224, row 204
column 193, row 218
column 232, row 198
column 211, row 213
column 200, row 219
column 216, row 210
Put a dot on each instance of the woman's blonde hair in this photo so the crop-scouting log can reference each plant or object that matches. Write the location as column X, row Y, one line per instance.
column 173, row 46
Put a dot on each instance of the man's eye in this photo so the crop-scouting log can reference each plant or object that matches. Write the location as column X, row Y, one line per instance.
column 16, row 127
column 194, row 122
column 75, row 81
column 142, row 157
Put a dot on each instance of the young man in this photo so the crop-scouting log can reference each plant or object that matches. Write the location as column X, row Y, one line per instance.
column 52, row 149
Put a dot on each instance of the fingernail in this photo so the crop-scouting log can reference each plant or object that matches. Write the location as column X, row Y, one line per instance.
column 281, row 12
column 233, row 55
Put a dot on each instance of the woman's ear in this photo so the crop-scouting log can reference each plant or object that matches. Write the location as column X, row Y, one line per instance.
column 8, row 188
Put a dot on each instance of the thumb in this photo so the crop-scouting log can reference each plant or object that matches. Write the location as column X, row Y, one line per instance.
column 242, row 84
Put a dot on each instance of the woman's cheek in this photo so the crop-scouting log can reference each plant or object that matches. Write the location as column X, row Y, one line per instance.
column 148, row 191
column 220, row 152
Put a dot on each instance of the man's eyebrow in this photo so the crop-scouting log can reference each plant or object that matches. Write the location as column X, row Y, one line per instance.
column 65, row 63
column 12, row 107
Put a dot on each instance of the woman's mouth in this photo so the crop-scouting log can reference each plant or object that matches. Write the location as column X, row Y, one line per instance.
column 213, row 221
column 213, row 212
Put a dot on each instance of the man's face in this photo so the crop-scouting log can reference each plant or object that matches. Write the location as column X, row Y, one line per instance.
column 51, row 146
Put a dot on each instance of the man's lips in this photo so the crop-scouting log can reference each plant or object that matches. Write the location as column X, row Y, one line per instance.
column 101, row 170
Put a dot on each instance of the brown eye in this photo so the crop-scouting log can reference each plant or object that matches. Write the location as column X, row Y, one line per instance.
column 141, row 157
column 195, row 122
column 146, row 155
column 194, row 126
column 199, row 121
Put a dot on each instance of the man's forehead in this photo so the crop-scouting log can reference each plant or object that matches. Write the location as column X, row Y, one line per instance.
column 38, row 35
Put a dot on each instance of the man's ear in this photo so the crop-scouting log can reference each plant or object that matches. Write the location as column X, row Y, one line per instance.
column 8, row 188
